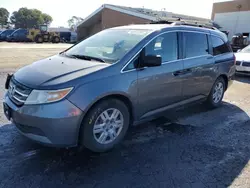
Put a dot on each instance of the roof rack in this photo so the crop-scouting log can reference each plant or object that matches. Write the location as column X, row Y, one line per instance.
column 179, row 21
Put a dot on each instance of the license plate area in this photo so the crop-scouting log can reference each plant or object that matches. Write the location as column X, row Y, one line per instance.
column 7, row 111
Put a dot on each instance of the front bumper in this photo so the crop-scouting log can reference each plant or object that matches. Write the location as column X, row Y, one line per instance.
column 56, row 124
column 242, row 69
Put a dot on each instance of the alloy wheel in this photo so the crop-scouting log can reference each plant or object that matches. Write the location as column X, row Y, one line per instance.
column 218, row 92
column 108, row 126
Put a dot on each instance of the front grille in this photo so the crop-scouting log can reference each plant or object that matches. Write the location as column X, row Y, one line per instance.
column 17, row 92
column 238, row 62
column 246, row 64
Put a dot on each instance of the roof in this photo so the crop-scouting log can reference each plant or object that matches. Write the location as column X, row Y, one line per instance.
column 149, row 14
column 155, row 27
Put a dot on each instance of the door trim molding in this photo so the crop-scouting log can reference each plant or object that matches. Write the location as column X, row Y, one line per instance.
column 162, row 109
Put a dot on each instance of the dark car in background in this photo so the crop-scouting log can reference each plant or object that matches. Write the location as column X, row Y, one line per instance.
column 5, row 33
column 91, row 93
column 65, row 36
column 19, row 35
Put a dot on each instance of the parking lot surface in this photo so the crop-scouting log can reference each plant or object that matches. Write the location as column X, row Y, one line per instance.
column 189, row 147
column 16, row 55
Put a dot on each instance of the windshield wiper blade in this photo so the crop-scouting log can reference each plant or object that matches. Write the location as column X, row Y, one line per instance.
column 85, row 57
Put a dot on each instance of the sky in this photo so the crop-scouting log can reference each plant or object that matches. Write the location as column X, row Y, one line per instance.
column 62, row 10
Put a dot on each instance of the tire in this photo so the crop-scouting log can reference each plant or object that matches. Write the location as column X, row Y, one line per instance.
column 55, row 40
column 39, row 39
column 89, row 139
column 212, row 101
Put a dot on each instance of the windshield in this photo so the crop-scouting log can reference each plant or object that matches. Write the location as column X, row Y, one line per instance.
column 108, row 45
column 246, row 49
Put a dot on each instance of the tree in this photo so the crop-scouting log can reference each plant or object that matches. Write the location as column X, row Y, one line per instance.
column 4, row 15
column 29, row 18
column 74, row 21
column 47, row 19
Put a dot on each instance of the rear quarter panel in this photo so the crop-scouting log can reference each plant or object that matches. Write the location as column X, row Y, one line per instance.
column 225, row 65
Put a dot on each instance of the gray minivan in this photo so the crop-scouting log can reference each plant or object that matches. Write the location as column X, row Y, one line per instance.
column 92, row 92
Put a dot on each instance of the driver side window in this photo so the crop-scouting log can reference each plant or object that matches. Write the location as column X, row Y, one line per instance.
column 164, row 46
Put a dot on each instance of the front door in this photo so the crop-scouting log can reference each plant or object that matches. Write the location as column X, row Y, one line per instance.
column 158, row 86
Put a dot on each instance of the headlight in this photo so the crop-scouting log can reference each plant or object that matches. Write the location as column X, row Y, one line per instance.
column 47, row 96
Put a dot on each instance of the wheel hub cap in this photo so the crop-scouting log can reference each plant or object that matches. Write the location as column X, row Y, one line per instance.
column 218, row 92
column 108, row 126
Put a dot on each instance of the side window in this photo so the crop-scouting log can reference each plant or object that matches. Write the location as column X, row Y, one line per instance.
column 219, row 46
column 196, row 44
column 165, row 46
column 132, row 65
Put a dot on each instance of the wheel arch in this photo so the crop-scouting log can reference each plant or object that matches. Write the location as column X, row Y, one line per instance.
column 225, row 78
column 125, row 99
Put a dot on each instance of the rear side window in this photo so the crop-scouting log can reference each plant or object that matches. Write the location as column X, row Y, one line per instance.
column 196, row 44
column 219, row 46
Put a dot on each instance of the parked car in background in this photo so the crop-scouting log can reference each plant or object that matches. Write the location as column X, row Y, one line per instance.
column 65, row 36
column 73, row 37
column 91, row 93
column 19, row 35
column 5, row 33
column 243, row 60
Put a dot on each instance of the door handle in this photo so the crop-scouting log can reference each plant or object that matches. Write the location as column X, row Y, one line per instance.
column 182, row 72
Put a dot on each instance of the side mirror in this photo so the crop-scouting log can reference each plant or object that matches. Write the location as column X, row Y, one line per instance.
column 239, row 50
column 151, row 61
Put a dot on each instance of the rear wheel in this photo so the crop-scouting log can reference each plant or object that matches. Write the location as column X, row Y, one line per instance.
column 105, row 125
column 39, row 39
column 216, row 94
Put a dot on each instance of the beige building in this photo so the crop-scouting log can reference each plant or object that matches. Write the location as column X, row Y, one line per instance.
column 233, row 16
column 108, row 16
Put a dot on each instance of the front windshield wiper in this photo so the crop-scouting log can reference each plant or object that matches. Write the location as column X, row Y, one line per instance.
column 86, row 57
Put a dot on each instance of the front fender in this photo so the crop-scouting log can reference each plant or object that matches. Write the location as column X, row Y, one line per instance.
column 86, row 95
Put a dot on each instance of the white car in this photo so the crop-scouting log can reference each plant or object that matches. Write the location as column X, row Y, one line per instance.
column 243, row 60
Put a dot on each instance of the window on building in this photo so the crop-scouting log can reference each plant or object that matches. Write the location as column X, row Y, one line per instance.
column 196, row 44
column 219, row 46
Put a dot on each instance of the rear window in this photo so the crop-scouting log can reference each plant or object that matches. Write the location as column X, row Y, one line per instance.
column 196, row 44
column 219, row 46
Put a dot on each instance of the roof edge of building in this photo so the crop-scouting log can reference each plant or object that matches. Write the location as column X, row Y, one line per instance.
column 140, row 15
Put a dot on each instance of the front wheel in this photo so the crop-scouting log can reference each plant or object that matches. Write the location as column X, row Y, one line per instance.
column 216, row 94
column 105, row 125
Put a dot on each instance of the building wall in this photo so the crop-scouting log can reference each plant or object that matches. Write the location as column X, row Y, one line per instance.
column 112, row 18
column 95, row 28
column 81, row 33
column 109, row 18
column 233, row 16
column 85, row 32
column 230, row 6
column 234, row 22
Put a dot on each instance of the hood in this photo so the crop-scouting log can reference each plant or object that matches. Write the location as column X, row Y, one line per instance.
column 242, row 56
column 56, row 70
